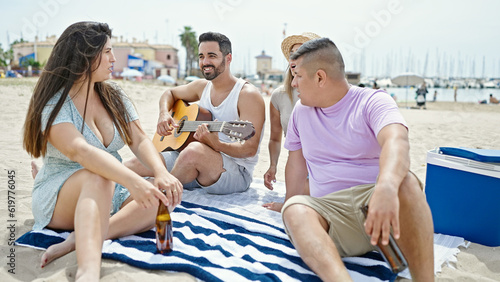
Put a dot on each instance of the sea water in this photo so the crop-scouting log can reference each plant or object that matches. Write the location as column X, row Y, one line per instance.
column 471, row 95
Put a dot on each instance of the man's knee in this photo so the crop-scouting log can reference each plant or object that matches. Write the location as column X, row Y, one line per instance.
column 196, row 153
column 294, row 214
column 193, row 149
column 192, row 153
column 412, row 182
column 411, row 189
column 290, row 211
column 290, row 215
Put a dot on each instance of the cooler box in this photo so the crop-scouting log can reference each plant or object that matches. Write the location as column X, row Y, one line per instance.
column 463, row 191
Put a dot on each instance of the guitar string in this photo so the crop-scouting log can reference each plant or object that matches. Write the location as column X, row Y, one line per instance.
column 213, row 125
column 192, row 125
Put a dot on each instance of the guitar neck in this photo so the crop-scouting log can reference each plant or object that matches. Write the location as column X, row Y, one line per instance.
column 191, row 125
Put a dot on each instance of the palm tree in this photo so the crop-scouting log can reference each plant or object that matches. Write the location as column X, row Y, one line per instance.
column 189, row 41
column 6, row 57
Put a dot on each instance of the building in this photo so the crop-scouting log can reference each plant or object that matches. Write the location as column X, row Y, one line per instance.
column 265, row 69
column 353, row 77
column 167, row 55
column 38, row 50
column 264, row 63
column 152, row 59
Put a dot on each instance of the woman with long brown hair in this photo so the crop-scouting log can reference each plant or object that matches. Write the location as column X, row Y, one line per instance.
column 77, row 122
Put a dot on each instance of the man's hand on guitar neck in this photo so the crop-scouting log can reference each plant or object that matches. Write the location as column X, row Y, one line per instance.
column 166, row 124
column 203, row 135
column 189, row 118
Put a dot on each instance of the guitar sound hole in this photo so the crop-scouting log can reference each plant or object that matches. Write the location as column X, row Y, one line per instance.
column 181, row 125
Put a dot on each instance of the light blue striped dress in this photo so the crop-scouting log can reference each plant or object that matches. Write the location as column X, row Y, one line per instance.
column 57, row 168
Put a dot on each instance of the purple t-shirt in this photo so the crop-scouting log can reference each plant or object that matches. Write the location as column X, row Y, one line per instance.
column 339, row 143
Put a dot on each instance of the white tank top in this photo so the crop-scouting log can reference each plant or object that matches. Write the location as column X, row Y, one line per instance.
column 228, row 111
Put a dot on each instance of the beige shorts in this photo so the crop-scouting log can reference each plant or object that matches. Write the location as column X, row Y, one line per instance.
column 342, row 212
column 345, row 219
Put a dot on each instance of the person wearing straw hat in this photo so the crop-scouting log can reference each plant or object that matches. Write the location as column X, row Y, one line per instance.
column 283, row 100
column 353, row 143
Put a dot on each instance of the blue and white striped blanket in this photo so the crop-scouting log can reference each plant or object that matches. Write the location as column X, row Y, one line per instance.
column 223, row 238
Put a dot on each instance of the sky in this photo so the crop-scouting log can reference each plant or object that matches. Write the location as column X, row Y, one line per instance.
column 379, row 38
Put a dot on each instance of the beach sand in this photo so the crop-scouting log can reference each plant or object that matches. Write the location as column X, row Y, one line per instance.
column 442, row 124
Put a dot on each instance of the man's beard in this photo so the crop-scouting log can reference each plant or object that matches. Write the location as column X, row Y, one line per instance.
column 217, row 70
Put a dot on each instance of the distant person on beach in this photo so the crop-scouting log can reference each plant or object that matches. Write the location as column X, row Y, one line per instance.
column 77, row 122
column 434, row 98
column 353, row 144
column 394, row 97
column 270, row 89
column 213, row 162
column 493, row 100
column 455, row 90
column 283, row 100
column 421, row 95
column 263, row 89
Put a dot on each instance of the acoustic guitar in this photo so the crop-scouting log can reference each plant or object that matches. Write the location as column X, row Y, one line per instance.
column 189, row 117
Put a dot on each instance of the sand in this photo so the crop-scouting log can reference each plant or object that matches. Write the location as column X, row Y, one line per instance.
column 442, row 124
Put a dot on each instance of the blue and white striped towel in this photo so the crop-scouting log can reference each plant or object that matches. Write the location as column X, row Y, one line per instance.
column 223, row 238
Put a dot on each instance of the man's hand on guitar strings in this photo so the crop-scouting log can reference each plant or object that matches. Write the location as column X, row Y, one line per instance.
column 166, row 124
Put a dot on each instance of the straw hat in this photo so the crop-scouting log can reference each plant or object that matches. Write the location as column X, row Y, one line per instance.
column 291, row 40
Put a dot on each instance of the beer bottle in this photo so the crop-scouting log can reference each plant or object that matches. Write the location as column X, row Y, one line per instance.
column 164, row 233
column 390, row 252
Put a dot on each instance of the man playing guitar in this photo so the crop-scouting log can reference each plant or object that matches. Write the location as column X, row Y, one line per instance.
column 215, row 163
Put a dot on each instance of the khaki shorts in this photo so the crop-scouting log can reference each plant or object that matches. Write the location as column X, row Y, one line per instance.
column 342, row 212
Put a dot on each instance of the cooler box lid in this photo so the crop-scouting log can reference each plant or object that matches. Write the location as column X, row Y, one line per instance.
column 479, row 155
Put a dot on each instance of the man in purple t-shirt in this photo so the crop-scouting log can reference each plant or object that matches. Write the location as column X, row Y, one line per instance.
column 353, row 144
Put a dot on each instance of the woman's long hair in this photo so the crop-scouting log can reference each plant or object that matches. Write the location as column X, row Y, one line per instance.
column 75, row 53
column 288, row 84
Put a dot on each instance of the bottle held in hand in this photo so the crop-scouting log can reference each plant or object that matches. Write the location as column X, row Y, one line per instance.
column 164, row 233
column 390, row 252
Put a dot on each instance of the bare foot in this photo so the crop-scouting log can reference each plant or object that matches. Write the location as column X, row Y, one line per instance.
column 273, row 206
column 34, row 169
column 58, row 250
column 87, row 275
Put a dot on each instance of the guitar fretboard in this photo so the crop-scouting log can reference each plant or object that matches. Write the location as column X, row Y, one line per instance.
column 190, row 126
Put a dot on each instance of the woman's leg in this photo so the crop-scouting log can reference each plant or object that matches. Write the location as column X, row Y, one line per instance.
column 34, row 169
column 130, row 219
column 83, row 204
